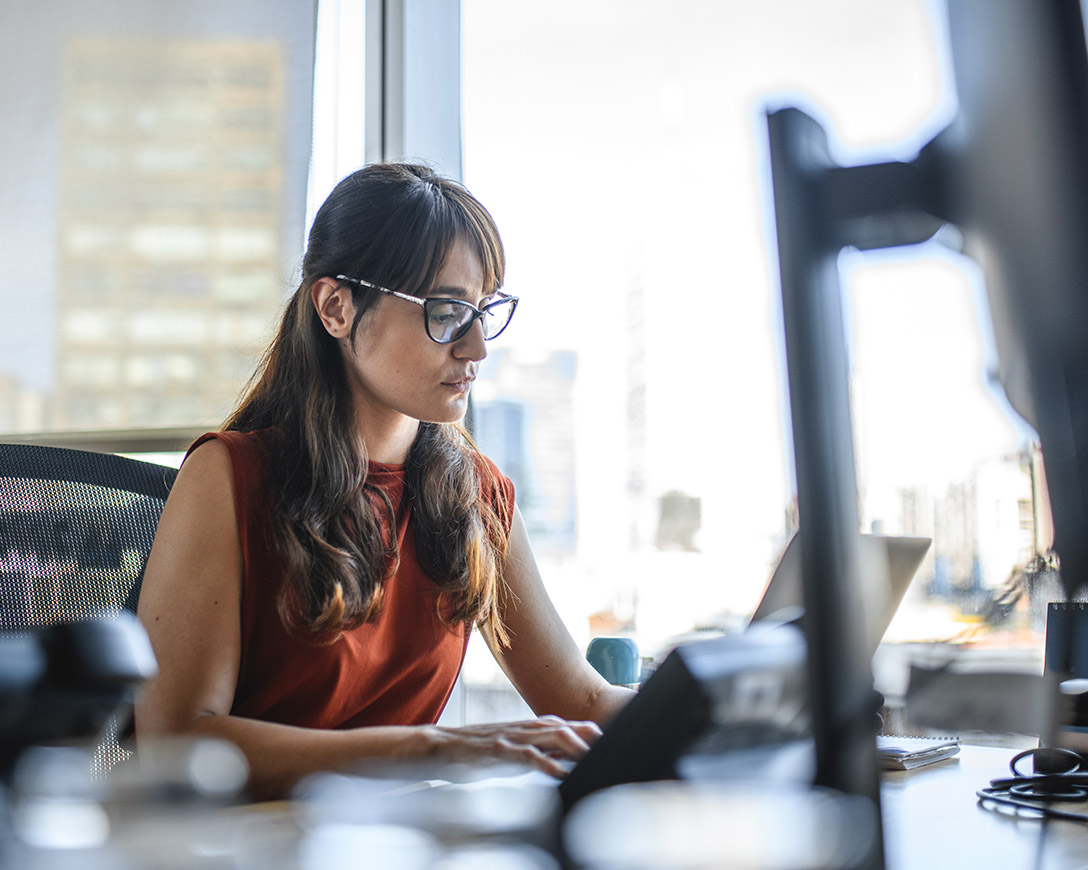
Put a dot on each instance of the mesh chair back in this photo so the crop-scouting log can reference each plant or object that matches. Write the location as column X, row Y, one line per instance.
column 75, row 532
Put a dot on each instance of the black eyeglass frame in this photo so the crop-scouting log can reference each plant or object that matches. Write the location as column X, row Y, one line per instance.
column 429, row 303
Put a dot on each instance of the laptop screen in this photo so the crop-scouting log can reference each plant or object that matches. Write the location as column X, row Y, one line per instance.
column 888, row 565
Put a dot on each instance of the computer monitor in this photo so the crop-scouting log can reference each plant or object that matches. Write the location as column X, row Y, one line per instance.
column 1011, row 173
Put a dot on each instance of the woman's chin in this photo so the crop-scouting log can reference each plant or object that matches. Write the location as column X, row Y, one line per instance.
column 451, row 414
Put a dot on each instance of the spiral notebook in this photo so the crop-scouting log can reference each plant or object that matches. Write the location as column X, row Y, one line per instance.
column 906, row 753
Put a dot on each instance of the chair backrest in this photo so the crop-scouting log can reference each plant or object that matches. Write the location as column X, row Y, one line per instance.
column 76, row 529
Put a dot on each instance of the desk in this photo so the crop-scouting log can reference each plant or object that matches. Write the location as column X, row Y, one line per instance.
column 932, row 820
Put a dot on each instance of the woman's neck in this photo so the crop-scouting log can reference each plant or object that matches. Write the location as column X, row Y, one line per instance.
column 386, row 440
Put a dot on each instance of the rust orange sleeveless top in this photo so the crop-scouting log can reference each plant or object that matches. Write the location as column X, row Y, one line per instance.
column 398, row 670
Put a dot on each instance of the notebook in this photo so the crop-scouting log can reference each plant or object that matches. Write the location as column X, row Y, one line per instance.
column 906, row 753
column 888, row 564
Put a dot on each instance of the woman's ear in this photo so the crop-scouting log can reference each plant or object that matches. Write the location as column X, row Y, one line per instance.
column 333, row 304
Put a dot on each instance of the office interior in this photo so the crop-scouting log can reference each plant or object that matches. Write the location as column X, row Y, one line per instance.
column 162, row 163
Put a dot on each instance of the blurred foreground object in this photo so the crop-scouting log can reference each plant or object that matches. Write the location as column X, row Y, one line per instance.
column 66, row 681
column 1067, row 659
column 1009, row 176
column 428, row 816
column 728, row 708
column 742, row 826
column 169, row 808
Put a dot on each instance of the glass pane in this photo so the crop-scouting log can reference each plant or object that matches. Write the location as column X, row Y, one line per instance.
column 153, row 196
column 651, row 451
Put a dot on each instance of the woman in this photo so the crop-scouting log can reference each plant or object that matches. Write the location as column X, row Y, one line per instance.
column 320, row 563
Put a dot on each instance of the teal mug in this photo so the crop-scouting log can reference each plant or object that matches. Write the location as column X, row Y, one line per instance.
column 616, row 659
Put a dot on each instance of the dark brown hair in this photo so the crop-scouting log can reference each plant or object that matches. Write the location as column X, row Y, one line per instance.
column 393, row 225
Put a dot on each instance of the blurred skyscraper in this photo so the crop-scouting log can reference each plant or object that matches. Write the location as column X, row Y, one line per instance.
column 169, row 205
column 523, row 420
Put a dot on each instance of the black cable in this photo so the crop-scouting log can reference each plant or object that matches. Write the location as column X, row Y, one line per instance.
column 1063, row 781
column 1003, row 798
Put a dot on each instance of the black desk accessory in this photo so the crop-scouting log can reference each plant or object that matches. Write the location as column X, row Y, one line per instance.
column 1066, row 663
column 66, row 681
column 720, row 708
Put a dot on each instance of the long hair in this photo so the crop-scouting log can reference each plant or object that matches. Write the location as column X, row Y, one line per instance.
column 394, row 225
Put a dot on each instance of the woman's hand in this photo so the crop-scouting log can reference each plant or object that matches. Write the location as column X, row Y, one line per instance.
column 542, row 743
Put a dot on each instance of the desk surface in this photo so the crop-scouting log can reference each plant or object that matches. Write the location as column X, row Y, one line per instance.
column 933, row 820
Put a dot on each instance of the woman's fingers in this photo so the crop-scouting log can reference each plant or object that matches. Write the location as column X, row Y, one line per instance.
column 587, row 731
column 556, row 736
column 541, row 743
column 531, row 756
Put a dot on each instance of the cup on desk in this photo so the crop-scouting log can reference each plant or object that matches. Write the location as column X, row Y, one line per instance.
column 616, row 659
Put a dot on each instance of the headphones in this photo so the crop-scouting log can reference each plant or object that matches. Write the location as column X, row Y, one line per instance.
column 1058, row 777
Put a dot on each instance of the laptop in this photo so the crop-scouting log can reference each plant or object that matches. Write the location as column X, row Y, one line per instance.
column 888, row 565
column 735, row 706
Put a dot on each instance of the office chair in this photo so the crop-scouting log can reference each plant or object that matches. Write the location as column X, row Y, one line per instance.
column 75, row 532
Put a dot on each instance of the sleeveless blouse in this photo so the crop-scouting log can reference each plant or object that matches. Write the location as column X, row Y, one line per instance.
column 396, row 670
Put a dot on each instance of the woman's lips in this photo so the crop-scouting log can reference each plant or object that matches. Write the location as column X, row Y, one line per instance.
column 460, row 384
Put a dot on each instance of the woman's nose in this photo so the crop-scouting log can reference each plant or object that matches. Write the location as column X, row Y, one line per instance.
column 471, row 345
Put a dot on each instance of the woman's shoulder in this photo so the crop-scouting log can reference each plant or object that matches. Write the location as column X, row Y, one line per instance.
column 206, row 478
column 255, row 445
column 243, row 456
column 236, row 439
column 208, row 453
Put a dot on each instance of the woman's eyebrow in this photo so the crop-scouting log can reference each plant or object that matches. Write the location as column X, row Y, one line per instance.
column 446, row 291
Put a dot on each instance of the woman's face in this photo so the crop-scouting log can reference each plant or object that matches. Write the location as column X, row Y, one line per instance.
column 396, row 371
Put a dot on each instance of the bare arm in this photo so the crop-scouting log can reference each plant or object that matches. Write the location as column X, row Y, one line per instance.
column 190, row 605
column 543, row 661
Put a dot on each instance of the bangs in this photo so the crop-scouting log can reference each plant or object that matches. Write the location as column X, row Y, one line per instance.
column 456, row 217
column 480, row 232
column 416, row 241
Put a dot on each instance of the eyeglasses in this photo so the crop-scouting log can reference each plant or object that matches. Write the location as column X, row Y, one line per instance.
column 447, row 320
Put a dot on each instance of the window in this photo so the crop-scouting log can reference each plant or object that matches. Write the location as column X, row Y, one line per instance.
column 151, row 178
column 625, row 161
column 638, row 400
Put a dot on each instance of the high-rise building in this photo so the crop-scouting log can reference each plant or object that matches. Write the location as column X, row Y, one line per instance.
column 174, row 215
column 169, row 214
column 523, row 419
